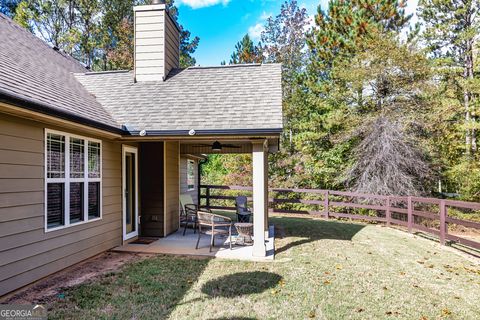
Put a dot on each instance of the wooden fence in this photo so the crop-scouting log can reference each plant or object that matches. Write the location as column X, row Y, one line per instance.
column 429, row 215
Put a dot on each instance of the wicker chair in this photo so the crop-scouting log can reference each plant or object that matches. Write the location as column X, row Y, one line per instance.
column 243, row 213
column 213, row 225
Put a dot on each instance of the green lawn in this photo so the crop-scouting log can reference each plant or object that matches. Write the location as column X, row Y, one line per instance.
column 323, row 270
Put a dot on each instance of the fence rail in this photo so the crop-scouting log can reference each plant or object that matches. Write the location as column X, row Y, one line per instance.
column 429, row 215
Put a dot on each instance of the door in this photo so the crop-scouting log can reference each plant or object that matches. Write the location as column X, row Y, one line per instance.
column 130, row 192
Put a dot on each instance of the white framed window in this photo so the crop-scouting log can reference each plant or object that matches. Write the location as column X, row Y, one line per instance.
column 73, row 180
column 190, row 175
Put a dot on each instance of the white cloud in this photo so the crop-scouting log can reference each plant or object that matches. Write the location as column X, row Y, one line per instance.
column 195, row 4
column 265, row 15
column 255, row 31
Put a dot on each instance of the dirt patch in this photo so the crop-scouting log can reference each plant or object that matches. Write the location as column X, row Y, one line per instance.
column 52, row 286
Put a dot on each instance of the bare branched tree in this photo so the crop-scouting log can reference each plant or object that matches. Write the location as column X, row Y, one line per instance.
column 389, row 161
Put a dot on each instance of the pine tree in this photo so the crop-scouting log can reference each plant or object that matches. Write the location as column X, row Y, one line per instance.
column 322, row 115
column 450, row 32
column 246, row 52
column 343, row 27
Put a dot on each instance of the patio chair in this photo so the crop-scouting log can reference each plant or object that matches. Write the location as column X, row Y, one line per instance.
column 213, row 225
column 188, row 212
column 243, row 213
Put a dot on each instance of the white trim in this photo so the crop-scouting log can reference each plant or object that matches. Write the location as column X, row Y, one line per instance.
column 66, row 180
column 133, row 150
column 179, row 184
column 260, row 195
column 194, row 163
column 165, row 188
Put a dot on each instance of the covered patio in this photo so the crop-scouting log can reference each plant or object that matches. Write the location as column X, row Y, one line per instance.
column 179, row 244
column 160, row 220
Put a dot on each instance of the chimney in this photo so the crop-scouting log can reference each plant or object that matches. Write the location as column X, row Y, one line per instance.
column 157, row 42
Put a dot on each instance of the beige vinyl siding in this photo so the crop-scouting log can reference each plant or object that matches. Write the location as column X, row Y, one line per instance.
column 172, row 46
column 183, row 178
column 172, row 186
column 150, row 45
column 27, row 252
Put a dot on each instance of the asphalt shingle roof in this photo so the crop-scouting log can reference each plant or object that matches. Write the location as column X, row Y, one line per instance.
column 208, row 98
column 34, row 72
column 241, row 97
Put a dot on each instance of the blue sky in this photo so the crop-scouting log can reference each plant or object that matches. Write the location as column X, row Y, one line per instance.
column 220, row 24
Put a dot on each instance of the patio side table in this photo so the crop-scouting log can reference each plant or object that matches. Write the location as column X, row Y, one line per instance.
column 245, row 233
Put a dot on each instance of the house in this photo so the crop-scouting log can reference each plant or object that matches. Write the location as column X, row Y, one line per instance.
column 92, row 160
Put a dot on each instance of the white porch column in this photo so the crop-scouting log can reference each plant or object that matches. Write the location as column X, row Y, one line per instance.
column 260, row 195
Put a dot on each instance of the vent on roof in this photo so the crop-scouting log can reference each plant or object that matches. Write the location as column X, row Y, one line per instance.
column 157, row 42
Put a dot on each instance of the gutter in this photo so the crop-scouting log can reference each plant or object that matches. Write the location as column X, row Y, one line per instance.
column 200, row 164
column 40, row 107
column 206, row 132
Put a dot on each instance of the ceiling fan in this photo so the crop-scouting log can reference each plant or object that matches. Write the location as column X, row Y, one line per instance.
column 217, row 146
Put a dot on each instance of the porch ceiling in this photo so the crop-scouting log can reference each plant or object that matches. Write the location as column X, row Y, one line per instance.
column 229, row 146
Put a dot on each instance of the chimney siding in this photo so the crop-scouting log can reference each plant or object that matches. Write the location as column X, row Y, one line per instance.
column 157, row 43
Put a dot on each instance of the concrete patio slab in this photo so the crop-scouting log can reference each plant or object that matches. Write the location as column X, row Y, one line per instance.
column 178, row 244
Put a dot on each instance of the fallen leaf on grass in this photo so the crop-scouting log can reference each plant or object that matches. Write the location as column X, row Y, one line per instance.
column 446, row 312
column 326, row 282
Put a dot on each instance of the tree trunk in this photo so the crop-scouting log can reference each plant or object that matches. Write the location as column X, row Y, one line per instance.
column 470, row 139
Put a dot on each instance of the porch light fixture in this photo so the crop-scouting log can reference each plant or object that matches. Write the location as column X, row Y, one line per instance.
column 216, row 146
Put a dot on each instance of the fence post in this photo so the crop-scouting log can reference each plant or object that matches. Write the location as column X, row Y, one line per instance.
column 207, row 196
column 443, row 225
column 388, row 213
column 326, row 210
column 410, row 214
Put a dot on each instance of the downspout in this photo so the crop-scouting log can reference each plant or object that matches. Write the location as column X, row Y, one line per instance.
column 200, row 163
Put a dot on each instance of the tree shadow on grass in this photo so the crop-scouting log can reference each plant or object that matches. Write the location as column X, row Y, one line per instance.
column 233, row 318
column 148, row 289
column 240, row 284
column 310, row 230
